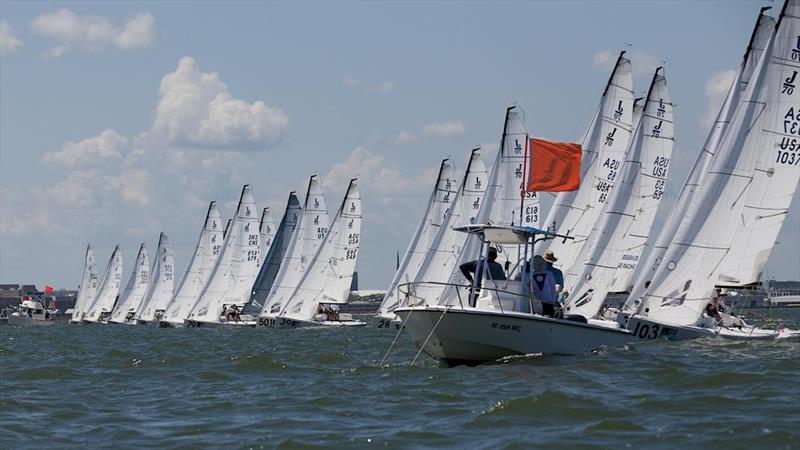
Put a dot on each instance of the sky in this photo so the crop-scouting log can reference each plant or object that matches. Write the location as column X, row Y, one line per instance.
column 122, row 119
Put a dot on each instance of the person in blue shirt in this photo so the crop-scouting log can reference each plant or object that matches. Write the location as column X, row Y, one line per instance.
column 550, row 258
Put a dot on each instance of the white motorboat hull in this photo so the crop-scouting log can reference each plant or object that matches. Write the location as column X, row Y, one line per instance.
column 386, row 322
column 25, row 321
column 471, row 336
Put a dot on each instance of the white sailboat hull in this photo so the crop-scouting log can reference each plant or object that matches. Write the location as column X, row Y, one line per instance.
column 386, row 322
column 646, row 329
column 470, row 336
column 210, row 324
column 288, row 322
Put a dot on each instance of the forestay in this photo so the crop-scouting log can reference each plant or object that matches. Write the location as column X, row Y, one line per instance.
column 330, row 272
column 307, row 237
column 761, row 33
column 88, row 287
column 198, row 272
column 436, row 212
column 162, row 283
column 237, row 266
column 271, row 262
column 109, row 289
column 446, row 248
column 574, row 213
column 619, row 238
column 682, row 285
column 135, row 288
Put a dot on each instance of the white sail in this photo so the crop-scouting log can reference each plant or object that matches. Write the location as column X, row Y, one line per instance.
column 162, row 283
column 277, row 249
column 774, row 183
column 761, row 33
column 574, row 213
column 108, row 293
column 237, row 266
column 88, row 287
column 135, row 288
column 766, row 117
column 503, row 203
column 330, row 272
column 447, row 246
column 198, row 272
column 623, row 228
column 308, row 235
column 436, row 212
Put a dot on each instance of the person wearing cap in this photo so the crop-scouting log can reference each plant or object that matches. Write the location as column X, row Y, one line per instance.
column 550, row 258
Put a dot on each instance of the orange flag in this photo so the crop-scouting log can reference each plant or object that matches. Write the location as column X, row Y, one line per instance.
column 553, row 166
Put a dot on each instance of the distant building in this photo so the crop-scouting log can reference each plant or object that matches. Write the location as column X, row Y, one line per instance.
column 9, row 287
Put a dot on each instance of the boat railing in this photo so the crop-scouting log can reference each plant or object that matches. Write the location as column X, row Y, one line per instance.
column 409, row 296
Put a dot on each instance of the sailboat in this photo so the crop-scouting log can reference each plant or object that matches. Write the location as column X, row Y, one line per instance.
column 574, row 213
column 758, row 41
column 206, row 253
column 228, row 288
column 436, row 212
column 162, row 285
column 326, row 282
column 619, row 238
column 271, row 262
column 107, row 295
column 267, row 231
column 133, row 293
column 448, row 245
column 306, row 239
column 765, row 121
column 88, row 287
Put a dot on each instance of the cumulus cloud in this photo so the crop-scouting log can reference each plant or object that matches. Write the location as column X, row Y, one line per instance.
column 196, row 109
column 94, row 187
column 374, row 172
column 404, row 137
column 9, row 43
column 642, row 63
column 93, row 32
column 107, row 146
column 451, row 128
column 716, row 89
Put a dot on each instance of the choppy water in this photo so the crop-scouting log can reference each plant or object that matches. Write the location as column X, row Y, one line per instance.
column 103, row 386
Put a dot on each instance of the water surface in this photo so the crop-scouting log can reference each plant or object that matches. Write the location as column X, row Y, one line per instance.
column 131, row 387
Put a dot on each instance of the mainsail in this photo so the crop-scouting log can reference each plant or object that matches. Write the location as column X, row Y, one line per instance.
column 446, row 248
column 88, row 287
column 761, row 33
column 109, row 290
column 330, row 272
column 764, row 121
column 620, row 236
column 769, row 196
column 162, row 282
column 236, row 267
column 198, row 272
column 503, row 202
column 135, row 288
column 436, row 212
column 574, row 213
column 271, row 261
column 308, row 235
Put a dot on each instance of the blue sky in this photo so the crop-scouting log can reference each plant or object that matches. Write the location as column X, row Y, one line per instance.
column 122, row 119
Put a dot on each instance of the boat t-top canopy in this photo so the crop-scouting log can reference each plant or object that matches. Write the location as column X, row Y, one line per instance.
column 508, row 234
